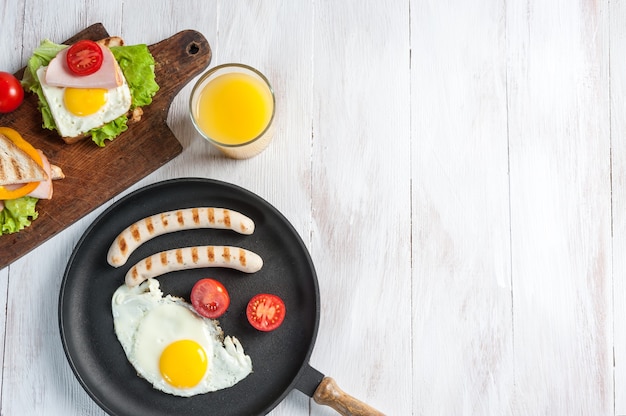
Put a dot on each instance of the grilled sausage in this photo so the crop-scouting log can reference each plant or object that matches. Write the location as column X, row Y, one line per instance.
column 193, row 258
column 166, row 222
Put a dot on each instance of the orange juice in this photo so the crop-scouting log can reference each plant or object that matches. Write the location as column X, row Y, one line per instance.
column 233, row 107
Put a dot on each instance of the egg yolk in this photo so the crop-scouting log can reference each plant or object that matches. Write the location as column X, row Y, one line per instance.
column 84, row 101
column 183, row 363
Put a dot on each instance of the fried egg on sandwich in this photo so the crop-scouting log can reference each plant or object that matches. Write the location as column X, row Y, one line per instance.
column 81, row 103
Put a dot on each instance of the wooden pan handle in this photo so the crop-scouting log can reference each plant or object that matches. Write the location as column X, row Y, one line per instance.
column 328, row 393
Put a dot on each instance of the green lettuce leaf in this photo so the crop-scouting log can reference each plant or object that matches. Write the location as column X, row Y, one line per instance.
column 136, row 63
column 138, row 67
column 42, row 56
column 17, row 214
column 109, row 131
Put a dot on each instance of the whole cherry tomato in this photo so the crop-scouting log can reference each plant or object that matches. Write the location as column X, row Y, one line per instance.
column 11, row 92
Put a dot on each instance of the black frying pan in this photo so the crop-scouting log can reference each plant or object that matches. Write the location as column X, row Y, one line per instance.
column 280, row 358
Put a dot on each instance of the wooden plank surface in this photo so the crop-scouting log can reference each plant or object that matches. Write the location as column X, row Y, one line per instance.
column 462, row 294
column 361, row 147
column 560, row 160
column 617, row 70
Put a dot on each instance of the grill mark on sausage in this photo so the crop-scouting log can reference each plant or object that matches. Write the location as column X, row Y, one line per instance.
column 227, row 218
column 121, row 243
column 179, row 256
column 164, row 220
column 134, row 232
column 210, row 253
column 180, row 218
column 226, row 254
column 195, row 215
column 211, row 215
column 194, row 255
column 149, row 225
column 163, row 256
column 242, row 257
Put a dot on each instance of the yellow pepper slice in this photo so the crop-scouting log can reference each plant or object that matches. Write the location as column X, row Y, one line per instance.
column 19, row 141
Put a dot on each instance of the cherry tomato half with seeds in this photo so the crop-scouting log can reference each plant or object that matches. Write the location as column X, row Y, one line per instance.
column 84, row 57
column 209, row 298
column 266, row 312
column 11, row 92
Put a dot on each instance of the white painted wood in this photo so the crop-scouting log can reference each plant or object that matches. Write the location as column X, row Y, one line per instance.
column 559, row 136
column 462, row 325
column 11, row 33
column 361, row 199
column 456, row 170
column 617, row 52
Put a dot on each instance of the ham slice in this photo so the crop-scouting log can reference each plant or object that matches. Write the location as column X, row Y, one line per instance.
column 108, row 76
column 44, row 189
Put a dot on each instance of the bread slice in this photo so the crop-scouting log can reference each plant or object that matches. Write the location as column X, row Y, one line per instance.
column 16, row 166
column 75, row 139
column 56, row 172
column 111, row 41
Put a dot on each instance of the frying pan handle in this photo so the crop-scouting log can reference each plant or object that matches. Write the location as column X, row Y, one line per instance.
column 328, row 393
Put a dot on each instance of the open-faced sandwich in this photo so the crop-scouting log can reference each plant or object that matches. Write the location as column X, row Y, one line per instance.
column 25, row 177
column 91, row 89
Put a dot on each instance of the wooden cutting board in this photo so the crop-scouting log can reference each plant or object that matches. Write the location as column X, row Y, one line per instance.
column 94, row 175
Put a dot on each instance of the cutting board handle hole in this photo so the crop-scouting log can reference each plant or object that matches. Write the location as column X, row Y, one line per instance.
column 193, row 48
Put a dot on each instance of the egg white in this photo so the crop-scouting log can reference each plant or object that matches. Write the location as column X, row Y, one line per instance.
column 70, row 125
column 146, row 322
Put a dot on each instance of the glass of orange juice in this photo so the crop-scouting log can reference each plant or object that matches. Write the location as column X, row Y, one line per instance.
column 232, row 106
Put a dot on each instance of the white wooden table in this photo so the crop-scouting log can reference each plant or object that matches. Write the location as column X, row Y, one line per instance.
column 457, row 170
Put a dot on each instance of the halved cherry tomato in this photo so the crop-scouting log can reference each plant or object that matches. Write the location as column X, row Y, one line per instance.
column 84, row 57
column 210, row 298
column 266, row 312
column 16, row 138
column 11, row 92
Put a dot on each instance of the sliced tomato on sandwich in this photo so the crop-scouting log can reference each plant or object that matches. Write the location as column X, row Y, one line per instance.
column 19, row 141
column 84, row 57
